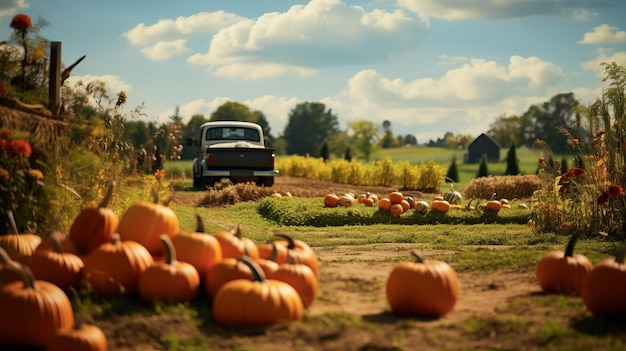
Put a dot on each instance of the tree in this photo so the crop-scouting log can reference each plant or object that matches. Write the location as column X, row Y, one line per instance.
column 309, row 125
column 388, row 140
column 347, row 154
column 512, row 164
column 410, row 139
column 453, row 172
column 192, row 131
column 235, row 111
column 363, row 134
column 482, row 169
column 506, row 130
column 324, row 152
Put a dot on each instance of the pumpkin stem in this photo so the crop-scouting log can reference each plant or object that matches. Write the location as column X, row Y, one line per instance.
column 290, row 242
column 199, row 224
column 12, row 223
column 57, row 246
column 170, row 251
column 4, row 257
column 257, row 272
column 107, row 195
column 419, row 258
column 237, row 231
column 569, row 249
column 115, row 239
column 274, row 252
column 493, row 197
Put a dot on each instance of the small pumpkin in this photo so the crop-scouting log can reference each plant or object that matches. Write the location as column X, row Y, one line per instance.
column 395, row 197
column 441, row 206
column 64, row 269
column 170, row 280
column 114, row 268
column 144, row 222
column 82, row 337
column 198, row 248
column 424, row 288
column 95, row 224
column 18, row 246
column 422, row 207
column 234, row 244
column 396, row 210
column 346, row 200
column 605, row 287
column 563, row 272
column 331, row 200
column 453, row 197
column 256, row 302
column 384, row 204
column 32, row 311
column 493, row 204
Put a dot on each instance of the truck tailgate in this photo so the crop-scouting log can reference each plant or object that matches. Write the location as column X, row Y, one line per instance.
column 240, row 158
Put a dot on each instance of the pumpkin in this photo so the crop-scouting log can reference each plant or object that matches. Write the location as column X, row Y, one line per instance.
column 64, row 269
column 269, row 267
column 271, row 251
column 114, row 268
column 410, row 200
column 493, row 204
column 384, row 204
column 82, row 337
column 563, row 272
column 368, row 201
column 300, row 251
column 199, row 249
column 441, row 206
column 346, row 200
column 224, row 271
column 422, row 207
column 256, row 302
column 8, row 274
column 144, row 222
column 453, row 197
column 67, row 244
column 605, row 287
column 234, row 244
column 331, row 200
column 170, row 280
column 95, row 224
column 18, row 246
column 396, row 210
column 424, row 288
column 32, row 311
column 374, row 197
column 395, row 197
column 301, row 277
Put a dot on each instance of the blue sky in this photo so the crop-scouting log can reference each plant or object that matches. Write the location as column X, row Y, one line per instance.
column 427, row 66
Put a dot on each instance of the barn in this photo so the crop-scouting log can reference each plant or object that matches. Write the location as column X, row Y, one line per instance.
column 483, row 144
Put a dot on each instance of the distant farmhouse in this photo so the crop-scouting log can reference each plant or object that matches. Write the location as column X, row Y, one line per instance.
column 483, row 144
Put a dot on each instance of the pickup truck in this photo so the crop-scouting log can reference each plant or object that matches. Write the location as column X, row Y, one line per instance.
column 234, row 150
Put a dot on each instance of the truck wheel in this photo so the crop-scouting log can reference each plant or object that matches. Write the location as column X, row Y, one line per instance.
column 197, row 181
column 265, row 181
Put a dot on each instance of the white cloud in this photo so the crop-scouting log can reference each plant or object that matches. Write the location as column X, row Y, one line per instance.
column 11, row 7
column 501, row 9
column 604, row 34
column 113, row 85
column 181, row 27
column 164, row 50
column 604, row 57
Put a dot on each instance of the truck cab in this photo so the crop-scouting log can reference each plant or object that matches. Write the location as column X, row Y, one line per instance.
column 235, row 150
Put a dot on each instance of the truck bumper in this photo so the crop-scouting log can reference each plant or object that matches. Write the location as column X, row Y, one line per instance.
column 240, row 173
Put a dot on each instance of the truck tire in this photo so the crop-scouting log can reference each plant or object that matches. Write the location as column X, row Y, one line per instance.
column 265, row 181
column 197, row 181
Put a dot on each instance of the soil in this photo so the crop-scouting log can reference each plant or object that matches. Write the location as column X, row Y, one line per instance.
column 502, row 310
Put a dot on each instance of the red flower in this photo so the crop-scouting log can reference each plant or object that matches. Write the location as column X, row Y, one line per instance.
column 5, row 134
column 615, row 190
column 573, row 142
column 574, row 173
column 20, row 147
column 4, row 144
column 600, row 133
column 3, row 89
column 542, row 161
column 21, row 22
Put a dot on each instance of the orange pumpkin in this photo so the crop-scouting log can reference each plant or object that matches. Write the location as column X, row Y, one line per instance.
column 114, row 268
column 144, row 222
column 396, row 197
column 396, row 210
column 234, row 244
column 273, row 301
column 384, row 204
column 32, row 311
column 425, row 288
column 64, row 269
column 605, row 287
column 16, row 245
column 493, row 204
column 331, row 200
column 301, row 277
column 94, row 225
column 199, row 249
column 67, row 244
column 563, row 272
column 170, row 280
column 223, row 272
column 441, row 206
column 300, row 251
column 82, row 337
column 8, row 274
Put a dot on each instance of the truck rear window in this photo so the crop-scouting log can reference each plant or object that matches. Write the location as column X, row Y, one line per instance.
column 246, row 134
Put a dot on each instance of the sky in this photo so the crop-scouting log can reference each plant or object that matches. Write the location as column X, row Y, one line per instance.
column 427, row 66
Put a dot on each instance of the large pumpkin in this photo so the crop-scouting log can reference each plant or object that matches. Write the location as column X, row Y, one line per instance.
column 424, row 288
column 170, row 280
column 224, row 271
column 198, row 248
column 95, row 224
column 256, row 302
column 604, row 290
column 234, row 244
column 144, row 222
column 114, row 268
column 64, row 269
column 301, row 277
column 32, row 311
column 300, row 251
column 563, row 271
column 82, row 337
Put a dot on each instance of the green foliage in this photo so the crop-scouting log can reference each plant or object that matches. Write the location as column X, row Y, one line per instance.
column 512, row 165
column 482, row 168
column 309, row 125
column 324, row 152
column 453, row 172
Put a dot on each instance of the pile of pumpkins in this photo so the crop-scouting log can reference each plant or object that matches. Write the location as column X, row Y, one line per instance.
column 143, row 253
column 346, row 200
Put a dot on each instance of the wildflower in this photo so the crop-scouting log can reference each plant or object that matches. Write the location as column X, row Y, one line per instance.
column 3, row 89
column 542, row 161
column 121, row 98
column 600, row 133
column 35, row 174
column 612, row 192
column 20, row 147
column 4, row 175
column 604, row 197
column 573, row 142
column 160, row 174
column 21, row 22
column 574, row 173
column 5, row 134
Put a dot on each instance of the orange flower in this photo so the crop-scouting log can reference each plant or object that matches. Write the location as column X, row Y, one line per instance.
column 615, row 190
column 542, row 161
column 574, row 173
column 21, row 22
column 573, row 142
column 20, row 147
column 600, row 133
